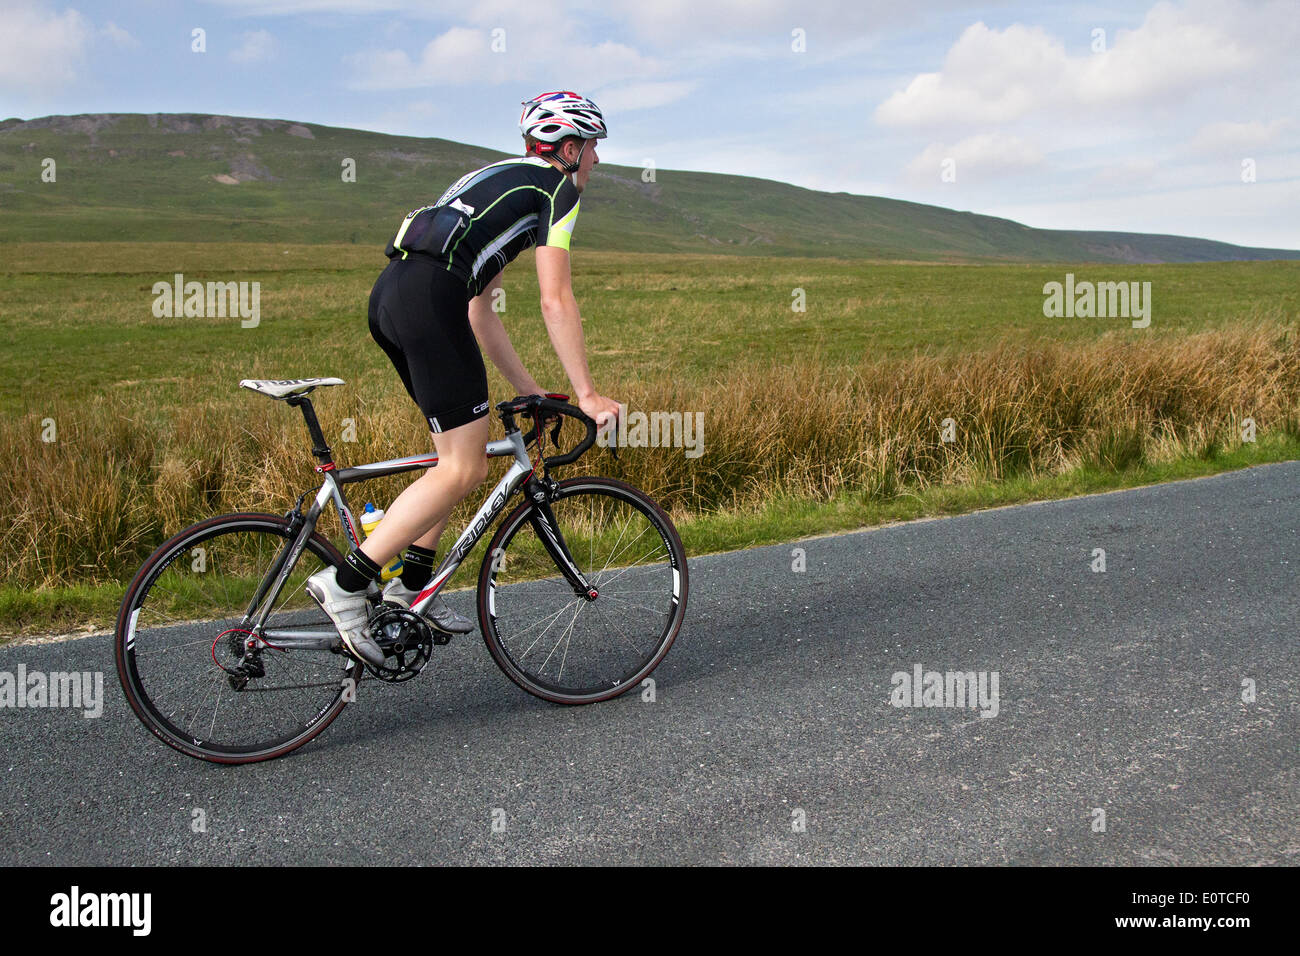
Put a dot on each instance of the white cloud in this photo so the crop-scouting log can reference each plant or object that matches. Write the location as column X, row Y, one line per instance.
column 999, row 76
column 640, row 96
column 413, row 118
column 1230, row 137
column 1173, row 52
column 1235, row 212
column 667, row 20
column 40, row 48
column 282, row 7
column 989, row 76
column 980, row 157
column 760, row 26
column 465, row 56
column 1127, row 174
column 257, row 45
column 460, row 56
column 588, row 67
column 120, row 38
column 737, row 154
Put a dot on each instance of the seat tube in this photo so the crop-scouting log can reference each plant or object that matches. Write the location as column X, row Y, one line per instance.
column 273, row 584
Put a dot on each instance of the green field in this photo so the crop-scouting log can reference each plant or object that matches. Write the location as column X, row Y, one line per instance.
column 81, row 314
column 815, row 421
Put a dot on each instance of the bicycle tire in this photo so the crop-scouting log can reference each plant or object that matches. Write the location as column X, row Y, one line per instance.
column 141, row 690
column 670, row 569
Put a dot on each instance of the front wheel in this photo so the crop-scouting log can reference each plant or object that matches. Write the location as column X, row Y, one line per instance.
column 564, row 646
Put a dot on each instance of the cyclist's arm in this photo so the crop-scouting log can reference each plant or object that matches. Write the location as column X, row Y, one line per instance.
column 495, row 341
column 563, row 323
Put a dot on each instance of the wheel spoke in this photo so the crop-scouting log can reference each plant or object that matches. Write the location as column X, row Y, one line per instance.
column 592, row 652
column 183, row 613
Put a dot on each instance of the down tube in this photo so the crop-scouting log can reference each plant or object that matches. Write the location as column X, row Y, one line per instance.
column 465, row 543
column 346, row 518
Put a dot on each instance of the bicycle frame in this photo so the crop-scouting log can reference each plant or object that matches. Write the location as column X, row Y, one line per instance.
column 331, row 491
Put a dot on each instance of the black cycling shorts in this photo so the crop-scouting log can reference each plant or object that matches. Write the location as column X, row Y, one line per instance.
column 419, row 315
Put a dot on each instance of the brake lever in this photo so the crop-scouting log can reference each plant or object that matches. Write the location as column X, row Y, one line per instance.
column 613, row 445
column 559, row 419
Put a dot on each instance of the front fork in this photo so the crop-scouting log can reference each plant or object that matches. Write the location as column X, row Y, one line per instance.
column 540, row 493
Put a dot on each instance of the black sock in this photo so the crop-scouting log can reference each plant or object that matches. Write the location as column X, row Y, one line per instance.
column 417, row 567
column 357, row 571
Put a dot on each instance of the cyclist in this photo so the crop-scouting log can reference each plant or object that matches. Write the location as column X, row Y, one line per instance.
column 431, row 311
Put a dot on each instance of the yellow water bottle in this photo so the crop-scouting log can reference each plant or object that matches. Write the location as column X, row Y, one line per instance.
column 370, row 519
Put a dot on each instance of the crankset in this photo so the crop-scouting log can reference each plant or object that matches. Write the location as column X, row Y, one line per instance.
column 407, row 641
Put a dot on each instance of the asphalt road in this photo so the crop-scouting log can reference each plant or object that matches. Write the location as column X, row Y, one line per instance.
column 772, row 737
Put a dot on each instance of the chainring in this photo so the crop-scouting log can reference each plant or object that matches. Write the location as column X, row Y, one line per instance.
column 407, row 642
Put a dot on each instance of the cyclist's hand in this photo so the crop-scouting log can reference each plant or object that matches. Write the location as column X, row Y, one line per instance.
column 603, row 410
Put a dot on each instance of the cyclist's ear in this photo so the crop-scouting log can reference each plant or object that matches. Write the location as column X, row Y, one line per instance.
column 571, row 148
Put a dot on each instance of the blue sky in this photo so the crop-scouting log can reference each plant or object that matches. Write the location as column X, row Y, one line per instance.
column 1033, row 113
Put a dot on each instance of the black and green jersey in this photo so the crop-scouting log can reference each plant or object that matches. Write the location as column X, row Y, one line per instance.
column 488, row 217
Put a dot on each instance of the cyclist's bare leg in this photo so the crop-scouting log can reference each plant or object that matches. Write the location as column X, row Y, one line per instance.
column 421, row 511
column 430, row 540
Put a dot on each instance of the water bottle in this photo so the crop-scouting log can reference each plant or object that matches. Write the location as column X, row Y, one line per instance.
column 370, row 519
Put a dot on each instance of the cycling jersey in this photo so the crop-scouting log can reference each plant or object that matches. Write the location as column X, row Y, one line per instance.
column 487, row 217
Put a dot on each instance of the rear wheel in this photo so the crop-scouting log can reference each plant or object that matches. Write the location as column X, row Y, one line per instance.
column 193, row 670
column 558, row 644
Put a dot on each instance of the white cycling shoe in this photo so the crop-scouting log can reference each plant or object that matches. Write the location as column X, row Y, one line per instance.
column 437, row 613
column 348, row 611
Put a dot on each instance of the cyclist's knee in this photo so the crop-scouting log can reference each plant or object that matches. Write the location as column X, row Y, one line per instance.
column 476, row 471
column 462, row 461
column 466, row 471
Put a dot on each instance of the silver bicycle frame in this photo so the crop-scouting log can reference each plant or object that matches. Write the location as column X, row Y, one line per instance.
column 332, row 491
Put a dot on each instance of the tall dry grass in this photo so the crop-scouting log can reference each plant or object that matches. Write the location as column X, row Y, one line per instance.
column 123, row 475
column 810, row 430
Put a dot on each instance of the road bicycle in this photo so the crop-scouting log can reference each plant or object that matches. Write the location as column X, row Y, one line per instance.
column 225, row 657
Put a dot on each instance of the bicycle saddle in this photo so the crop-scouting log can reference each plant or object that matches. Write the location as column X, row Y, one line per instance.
column 286, row 387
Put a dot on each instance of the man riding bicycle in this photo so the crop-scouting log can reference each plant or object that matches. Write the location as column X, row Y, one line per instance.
column 431, row 310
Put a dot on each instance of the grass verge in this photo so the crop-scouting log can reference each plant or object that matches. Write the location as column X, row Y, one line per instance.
column 26, row 613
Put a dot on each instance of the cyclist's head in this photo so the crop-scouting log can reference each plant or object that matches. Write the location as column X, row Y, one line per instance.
column 552, row 121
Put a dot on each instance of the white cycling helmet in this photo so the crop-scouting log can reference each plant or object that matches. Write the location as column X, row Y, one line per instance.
column 550, row 117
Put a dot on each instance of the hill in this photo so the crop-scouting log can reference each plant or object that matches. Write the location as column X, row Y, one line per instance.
column 187, row 177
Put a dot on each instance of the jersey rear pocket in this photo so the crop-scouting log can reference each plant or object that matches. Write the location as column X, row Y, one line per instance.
column 432, row 231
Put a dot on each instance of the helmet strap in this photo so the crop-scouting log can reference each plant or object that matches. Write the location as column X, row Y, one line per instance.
column 572, row 168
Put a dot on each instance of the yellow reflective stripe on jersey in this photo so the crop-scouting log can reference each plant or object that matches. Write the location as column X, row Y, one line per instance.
column 561, row 233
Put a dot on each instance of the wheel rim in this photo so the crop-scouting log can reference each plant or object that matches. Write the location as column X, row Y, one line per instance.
column 562, row 646
column 185, row 624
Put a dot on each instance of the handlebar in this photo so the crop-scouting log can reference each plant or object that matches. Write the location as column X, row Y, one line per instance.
column 531, row 405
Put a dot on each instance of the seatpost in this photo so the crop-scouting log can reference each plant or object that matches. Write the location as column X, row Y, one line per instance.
column 319, row 448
